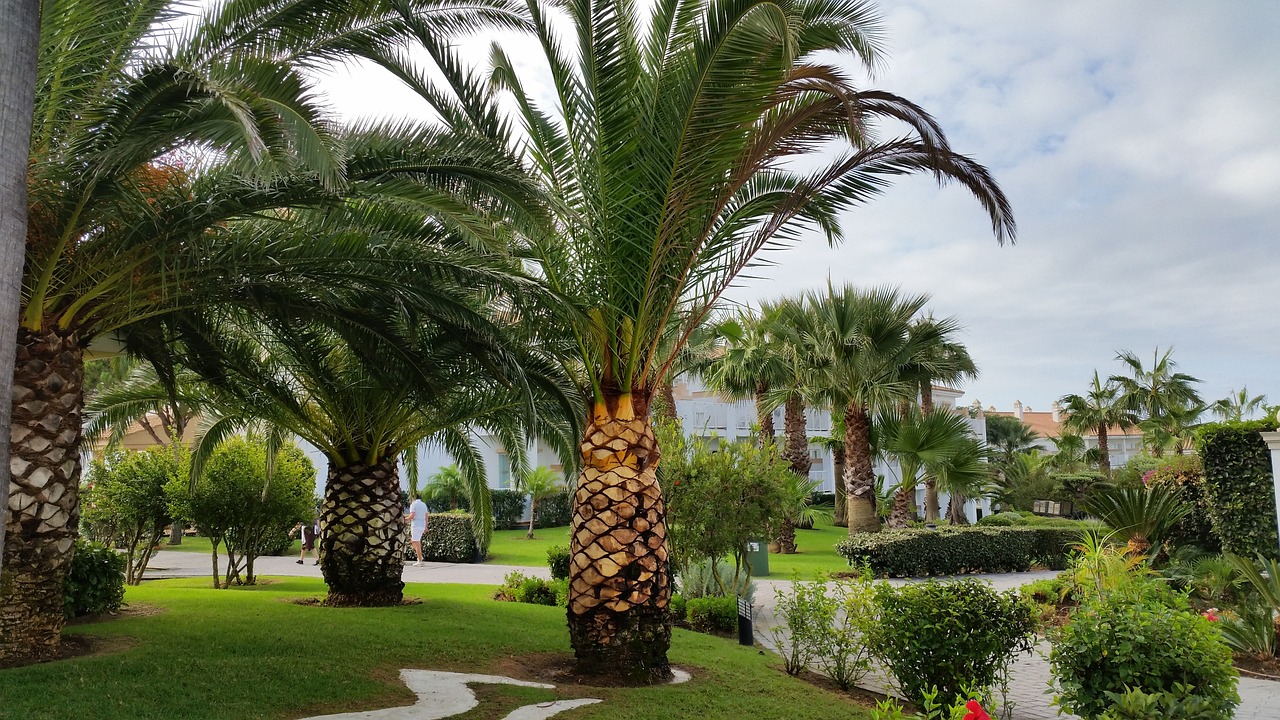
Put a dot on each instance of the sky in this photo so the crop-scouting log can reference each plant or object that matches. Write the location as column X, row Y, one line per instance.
column 1139, row 144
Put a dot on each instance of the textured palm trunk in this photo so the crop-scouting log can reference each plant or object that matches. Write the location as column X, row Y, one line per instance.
column 796, row 451
column 787, row 537
column 903, row 502
column 362, row 535
column 619, row 576
column 1104, row 454
column 955, row 509
column 859, row 473
column 764, row 419
column 841, row 515
column 666, row 405
column 19, row 41
column 931, row 505
column 44, row 449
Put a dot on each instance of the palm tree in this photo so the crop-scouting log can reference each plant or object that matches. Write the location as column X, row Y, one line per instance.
column 146, row 142
column 1100, row 408
column 1151, row 393
column 1072, row 456
column 669, row 154
column 943, row 360
column 751, row 361
column 1238, row 405
column 967, row 474
column 1008, row 436
column 798, row 509
column 925, row 446
column 446, row 485
column 858, row 341
column 20, row 40
column 1174, row 430
column 539, row 484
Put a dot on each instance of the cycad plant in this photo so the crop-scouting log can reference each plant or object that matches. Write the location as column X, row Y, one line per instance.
column 1142, row 516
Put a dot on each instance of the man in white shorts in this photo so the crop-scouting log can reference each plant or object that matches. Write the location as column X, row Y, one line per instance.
column 417, row 526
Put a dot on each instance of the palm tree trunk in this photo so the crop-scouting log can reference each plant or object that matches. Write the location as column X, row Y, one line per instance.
column 900, row 516
column 533, row 514
column 43, row 514
column 931, row 505
column 797, row 449
column 859, row 473
column 362, row 535
column 787, row 537
column 19, row 41
column 841, row 518
column 666, row 405
column 955, row 509
column 619, row 576
column 926, row 397
column 1104, row 455
column 764, row 419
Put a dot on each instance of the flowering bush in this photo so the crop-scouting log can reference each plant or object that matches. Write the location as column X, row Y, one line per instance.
column 970, row 709
column 1183, row 473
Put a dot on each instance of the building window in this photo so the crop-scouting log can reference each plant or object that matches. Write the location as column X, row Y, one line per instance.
column 504, row 471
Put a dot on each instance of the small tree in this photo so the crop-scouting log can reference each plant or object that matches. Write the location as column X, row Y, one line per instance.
column 128, row 501
column 242, row 504
column 448, row 486
column 539, row 484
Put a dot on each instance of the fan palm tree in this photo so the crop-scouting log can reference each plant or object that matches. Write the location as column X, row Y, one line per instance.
column 751, row 361
column 1102, row 407
column 539, row 484
column 126, row 218
column 798, row 509
column 1174, row 430
column 446, row 485
column 925, row 446
column 1072, row 455
column 1008, row 436
column 1238, row 405
column 967, row 474
column 1152, row 393
column 943, row 360
column 858, row 341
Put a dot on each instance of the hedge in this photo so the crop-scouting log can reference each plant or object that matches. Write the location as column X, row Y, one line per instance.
column 960, row 550
column 450, row 538
column 1184, row 474
column 95, row 581
column 508, row 508
column 554, row 511
column 1238, row 485
column 712, row 614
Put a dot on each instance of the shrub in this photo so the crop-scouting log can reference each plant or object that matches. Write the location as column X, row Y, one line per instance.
column 1114, row 645
column 959, row 550
column 715, row 579
column 679, row 612
column 1185, row 474
column 554, row 511
column 712, row 614
column 128, row 496
column 933, row 709
column 518, row 587
column 558, row 561
column 1002, row 519
column 1181, row 704
column 95, row 581
column 508, row 508
column 1238, row 485
column 956, row 636
column 450, row 538
column 804, row 609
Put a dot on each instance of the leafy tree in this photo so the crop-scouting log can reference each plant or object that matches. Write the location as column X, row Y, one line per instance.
column 146, row 143
column 539, row 484
column 1103, row 406
column 128, row 495
column 249, row 494
column 1238, row 405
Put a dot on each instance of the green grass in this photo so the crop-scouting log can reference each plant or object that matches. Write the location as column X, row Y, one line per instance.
column 510, row 547
column 816, row 552
column 249, row 653
column 198, row 544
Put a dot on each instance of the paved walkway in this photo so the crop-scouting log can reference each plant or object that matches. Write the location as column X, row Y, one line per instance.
column 1029, row 694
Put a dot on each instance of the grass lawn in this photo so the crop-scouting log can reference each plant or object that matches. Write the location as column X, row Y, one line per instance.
column 816, row 553
column 198, row 544
column 249, row 653
column 511, row 547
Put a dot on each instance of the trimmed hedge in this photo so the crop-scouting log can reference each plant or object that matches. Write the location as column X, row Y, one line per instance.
column 95, row 582
column 558, row 562
column 1184, row 474
column 960, row 550
column 450, row 538
column 554, row 511
column 712, row 614
column 1238, row 485
column 508, row 508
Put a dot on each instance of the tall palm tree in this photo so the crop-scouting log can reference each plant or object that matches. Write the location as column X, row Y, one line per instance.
column 943, row 360
column 1100, row 408
column 447, row 485
column 20, row 42
column 126, row 217
column 750, row 363
column 539, row 484
column 1072, row 456
column 1174, row 430
column 858, row 342
column 1152, row 392
column 1008, row 436
column 668, row 149
column 1238, row 405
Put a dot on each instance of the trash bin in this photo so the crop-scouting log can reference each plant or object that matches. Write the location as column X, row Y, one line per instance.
column 758, row 557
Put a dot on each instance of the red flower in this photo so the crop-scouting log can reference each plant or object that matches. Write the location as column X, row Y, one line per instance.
column 975, row 711
column 1210, row 616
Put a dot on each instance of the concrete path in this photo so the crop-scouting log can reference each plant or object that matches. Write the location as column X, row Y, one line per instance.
column 1029, row 693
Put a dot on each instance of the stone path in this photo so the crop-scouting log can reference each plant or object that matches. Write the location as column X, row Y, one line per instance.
column 1029, row 680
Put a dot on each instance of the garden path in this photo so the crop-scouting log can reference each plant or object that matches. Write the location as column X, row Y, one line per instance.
column 1028, row 685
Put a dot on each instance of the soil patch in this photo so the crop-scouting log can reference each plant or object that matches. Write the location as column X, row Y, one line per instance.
column 861, row 696
column 1262, row 668
column 131, row 610
column 558, row 669
column 319, row 602
column 77, row 646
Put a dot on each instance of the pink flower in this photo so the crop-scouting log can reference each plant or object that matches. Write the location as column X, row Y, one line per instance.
column 1210, row 616
column 975, row 711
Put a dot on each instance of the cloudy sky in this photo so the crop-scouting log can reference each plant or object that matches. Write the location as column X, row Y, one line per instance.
column 1139, row 143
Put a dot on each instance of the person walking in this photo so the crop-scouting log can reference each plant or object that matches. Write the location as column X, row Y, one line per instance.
column 308, row 531
column 417, row 526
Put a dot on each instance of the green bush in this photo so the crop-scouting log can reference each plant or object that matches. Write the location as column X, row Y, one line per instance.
column 679, row 612
column 558, row 561
column 960, row 550
column 518, row 587
column 712, row 614
column 450, row 538
column 95, row 581
column 127, row 495
column 1182, row 704
column 1002, row 519
column 1238, row 485
column 957, row 637
column 508, row 507
column 1114, row 645
column 1184, row 474
column 554, row 511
